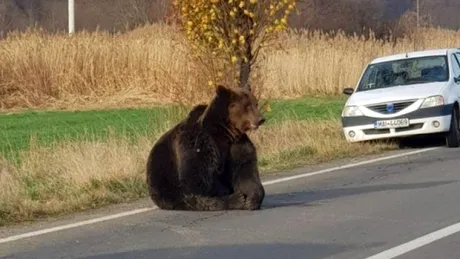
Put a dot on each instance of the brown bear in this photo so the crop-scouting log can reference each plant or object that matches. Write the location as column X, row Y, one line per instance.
column 241, row 171
column 207, row 162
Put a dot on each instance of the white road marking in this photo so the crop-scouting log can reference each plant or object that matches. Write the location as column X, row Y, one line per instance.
column 133, row 212
column 417, row 243
column 74, row 225
column 290, row 178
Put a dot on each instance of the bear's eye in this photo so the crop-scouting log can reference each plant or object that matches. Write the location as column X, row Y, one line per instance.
column 247, row 106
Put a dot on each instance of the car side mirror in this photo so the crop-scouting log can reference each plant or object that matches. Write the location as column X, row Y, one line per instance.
column 457, row 79
column 348, row 91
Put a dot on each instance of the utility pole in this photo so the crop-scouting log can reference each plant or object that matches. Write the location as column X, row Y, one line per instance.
column 71, row 16
column 418, row 13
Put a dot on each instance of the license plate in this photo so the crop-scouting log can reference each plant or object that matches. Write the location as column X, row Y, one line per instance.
column 396, row 123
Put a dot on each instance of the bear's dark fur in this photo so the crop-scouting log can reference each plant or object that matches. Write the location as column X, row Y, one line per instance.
column 207, row 162
column 243, row 171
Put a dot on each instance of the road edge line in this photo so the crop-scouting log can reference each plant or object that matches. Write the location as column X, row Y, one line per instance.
column 290, row 178
column 74, row 225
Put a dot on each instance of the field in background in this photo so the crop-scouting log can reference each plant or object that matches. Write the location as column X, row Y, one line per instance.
column 45, row 128
column 75, row 162
column 150, row 65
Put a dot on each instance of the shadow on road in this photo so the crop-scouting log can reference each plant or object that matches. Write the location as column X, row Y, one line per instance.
column 414, row 142
column 306, row 197
column 422, row 141
column 252, row 251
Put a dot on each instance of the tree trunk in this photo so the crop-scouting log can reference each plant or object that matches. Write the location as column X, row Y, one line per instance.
column 245, row 72
column 245, row 67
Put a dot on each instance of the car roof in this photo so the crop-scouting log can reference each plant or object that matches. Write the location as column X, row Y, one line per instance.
column 413, row 54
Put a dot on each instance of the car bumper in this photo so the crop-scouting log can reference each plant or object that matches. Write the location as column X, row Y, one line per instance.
column 421, row 122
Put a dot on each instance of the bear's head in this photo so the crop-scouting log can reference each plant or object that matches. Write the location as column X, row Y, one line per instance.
column 242, row 109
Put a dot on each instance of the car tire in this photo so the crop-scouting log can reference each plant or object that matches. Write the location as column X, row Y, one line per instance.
column 453, row 135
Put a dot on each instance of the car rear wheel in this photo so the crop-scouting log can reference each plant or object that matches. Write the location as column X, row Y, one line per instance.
column 453, row 136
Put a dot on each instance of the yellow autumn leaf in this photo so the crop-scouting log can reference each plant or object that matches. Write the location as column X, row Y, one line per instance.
column 268, row 108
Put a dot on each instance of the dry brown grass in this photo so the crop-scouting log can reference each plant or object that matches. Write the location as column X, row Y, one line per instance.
column 151, row 65
column 41, row 70
column 74, row 176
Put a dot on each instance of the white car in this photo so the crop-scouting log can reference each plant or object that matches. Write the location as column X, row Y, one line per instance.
column 404, row 95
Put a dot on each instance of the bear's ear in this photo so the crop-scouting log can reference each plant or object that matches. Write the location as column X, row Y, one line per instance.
column 222, row 91
column 247, row 86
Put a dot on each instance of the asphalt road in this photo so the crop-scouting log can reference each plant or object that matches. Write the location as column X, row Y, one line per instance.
column 346, row 214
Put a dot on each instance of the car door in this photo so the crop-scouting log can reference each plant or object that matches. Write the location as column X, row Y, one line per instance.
column 456, row 74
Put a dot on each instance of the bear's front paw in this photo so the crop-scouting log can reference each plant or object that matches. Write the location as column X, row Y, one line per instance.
column 238, row 200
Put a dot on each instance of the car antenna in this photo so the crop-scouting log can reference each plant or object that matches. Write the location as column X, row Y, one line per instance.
column 407, row 55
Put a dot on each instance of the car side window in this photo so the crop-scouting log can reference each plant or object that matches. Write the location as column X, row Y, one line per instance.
column 456, row 64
